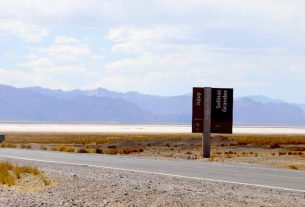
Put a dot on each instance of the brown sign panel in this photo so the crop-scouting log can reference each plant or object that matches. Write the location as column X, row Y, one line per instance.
column 222, row 110
column 197, row 119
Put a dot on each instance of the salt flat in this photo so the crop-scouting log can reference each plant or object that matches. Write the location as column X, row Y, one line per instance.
column 133, row 128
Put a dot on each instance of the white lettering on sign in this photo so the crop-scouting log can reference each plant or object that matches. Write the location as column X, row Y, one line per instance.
column 198, row 98
column 225, row 101
column 218, row 99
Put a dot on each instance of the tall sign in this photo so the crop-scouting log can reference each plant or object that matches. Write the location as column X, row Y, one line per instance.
column 212, row 113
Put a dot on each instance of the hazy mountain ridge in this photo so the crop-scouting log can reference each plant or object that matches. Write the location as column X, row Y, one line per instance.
column 250, row 112
column 102, row 105
column 31, row 105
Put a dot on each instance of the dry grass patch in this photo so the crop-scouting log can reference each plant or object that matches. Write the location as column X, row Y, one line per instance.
column 9, row 173
column 272, row 140
column 101, row 138
column 7, row 145
column 26, row 146
column 64, row 148
column 83, row 150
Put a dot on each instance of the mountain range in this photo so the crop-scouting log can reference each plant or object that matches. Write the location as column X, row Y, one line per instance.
column 102, row 105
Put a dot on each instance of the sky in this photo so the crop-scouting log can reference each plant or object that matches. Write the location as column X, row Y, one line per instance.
column 160, row 47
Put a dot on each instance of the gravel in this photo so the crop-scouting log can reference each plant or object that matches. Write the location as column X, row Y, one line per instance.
column 86, row 186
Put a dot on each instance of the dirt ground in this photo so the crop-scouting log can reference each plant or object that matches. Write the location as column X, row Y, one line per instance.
column 280, row 151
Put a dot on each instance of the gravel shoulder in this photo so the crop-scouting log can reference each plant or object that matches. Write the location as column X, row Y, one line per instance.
column 85, row 186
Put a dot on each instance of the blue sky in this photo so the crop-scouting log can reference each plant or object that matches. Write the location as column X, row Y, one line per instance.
column 162, row 47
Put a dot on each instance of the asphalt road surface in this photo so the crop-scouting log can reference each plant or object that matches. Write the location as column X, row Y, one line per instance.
column 291, row 180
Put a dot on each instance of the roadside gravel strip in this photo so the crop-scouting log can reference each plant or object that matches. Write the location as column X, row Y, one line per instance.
column 86, row 186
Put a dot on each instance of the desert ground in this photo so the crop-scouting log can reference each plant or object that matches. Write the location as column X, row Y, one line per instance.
column 279, row 151
column 82, row 186
column 69, row 185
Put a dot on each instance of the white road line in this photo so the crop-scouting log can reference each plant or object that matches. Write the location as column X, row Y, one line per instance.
column 157, row 173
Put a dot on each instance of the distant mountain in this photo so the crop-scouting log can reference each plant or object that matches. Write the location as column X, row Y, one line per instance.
column 302, row 106
column 102, row 105
column 172, row 105
column 264, row 99
column 250, row 112
column 46, row 105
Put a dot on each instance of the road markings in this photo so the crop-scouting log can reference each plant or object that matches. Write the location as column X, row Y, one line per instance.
column 158, row 173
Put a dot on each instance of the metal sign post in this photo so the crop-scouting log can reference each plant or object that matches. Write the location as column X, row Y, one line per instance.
column 206, row 141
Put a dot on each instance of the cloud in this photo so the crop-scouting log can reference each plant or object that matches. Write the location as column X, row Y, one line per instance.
column 30, row 33
column 25, row 79
column 68, row 49
column 65, row 59
column 159, row 33
column 160, row 46
column 161, row 65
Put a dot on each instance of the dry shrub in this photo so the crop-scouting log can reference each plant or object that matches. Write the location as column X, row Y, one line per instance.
column 83, row 150
column 64, row 148
column 274, row 146
column 111, row 151
column 43, row 148
column 167, row 145
column 10, row 173
column 69, row 149
column 295, row 148
column 26, row 146
column 54, row 148
column 129, row 150
column 24, row 169
column 212, row 158
column 45, row 180
column 61, row 147
column 293, row 167
column 5, row 177
column 99, row 151
column 7, row 145
column 242, row 143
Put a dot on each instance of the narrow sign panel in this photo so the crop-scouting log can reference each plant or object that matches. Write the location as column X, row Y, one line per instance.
column 197, row 119
column 222, row 110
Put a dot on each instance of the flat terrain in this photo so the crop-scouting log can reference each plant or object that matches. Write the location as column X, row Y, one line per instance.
column 86, row 128
column 89, row 182
column 278, row 151
column 157, row 169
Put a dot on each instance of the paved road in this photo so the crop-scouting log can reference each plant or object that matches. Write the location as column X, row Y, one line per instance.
column 202, row 170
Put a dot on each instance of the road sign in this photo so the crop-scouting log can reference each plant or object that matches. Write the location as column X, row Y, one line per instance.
column 221, row 110
column 212, row 113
